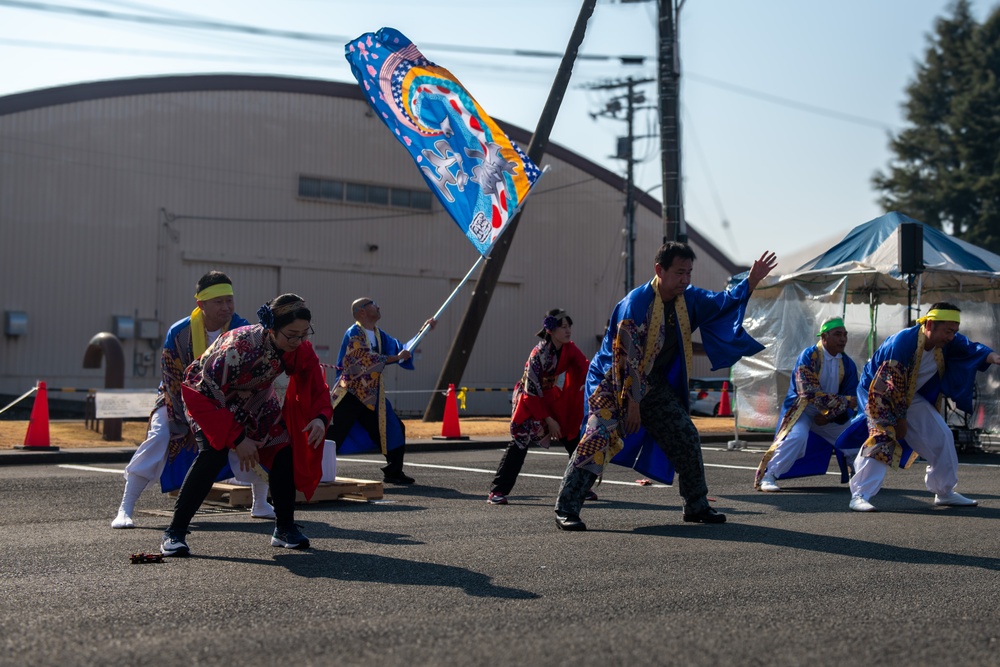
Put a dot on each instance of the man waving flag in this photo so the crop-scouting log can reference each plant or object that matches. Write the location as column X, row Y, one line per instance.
column 480, row 176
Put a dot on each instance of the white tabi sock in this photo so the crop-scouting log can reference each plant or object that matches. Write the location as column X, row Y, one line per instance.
column 134, row 486
column 261, row 508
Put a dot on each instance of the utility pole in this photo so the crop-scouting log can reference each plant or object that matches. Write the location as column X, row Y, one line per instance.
column 626, row 152
column 465, row 338
column 668, row 76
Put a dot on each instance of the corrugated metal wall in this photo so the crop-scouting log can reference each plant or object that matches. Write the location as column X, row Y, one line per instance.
column 116, row 206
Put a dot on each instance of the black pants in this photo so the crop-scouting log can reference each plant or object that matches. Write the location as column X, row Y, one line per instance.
column 667, row 420
column 350, row 410
column 513, row 460
column 207, row 466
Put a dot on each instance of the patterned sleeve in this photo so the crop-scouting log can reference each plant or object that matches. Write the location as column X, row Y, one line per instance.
column 628, row 352
column 887, row 398
column 808, row 386
column 205, row 398
column 172, row 368
column 359, row 360
column 533, row 392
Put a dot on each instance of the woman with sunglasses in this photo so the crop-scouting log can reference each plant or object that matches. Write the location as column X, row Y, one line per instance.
column 230, row 397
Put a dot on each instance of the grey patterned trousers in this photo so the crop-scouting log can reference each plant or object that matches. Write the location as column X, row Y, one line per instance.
column 667, row 420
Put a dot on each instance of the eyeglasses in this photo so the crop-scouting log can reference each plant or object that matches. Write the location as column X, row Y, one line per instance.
column 298, row 339
column 370, row 303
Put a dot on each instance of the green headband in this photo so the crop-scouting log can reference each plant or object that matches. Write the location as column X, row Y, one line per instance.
column 832, row 323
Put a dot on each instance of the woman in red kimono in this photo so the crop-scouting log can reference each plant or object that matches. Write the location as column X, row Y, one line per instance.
column 230, row 398
column 543, row 411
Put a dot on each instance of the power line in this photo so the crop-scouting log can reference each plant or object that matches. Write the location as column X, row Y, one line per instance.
column 784, row 101
column 320, row 61
column 205, row 24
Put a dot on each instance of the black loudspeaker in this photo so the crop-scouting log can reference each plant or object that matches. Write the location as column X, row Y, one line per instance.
column 911, row 247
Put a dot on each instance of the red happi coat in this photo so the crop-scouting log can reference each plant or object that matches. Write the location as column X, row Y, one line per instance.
column 537, row 397
column 229, row 393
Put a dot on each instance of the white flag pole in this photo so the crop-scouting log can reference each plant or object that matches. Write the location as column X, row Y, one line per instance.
column 412, row 344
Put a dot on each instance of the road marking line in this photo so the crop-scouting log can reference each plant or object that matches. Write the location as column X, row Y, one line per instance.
column 493, row 472
column 70, row 466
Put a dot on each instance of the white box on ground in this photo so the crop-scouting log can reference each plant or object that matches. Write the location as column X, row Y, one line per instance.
column 329, row 461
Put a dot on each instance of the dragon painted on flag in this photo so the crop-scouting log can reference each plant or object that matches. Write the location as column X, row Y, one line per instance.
column 480, row 176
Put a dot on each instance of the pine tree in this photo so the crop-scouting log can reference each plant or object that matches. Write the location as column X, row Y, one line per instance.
column 946, row 169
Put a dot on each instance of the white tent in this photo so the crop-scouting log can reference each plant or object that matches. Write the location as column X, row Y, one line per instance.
column 859, row 279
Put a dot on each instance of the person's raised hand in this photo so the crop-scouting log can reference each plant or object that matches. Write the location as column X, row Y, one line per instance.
column 761, row 267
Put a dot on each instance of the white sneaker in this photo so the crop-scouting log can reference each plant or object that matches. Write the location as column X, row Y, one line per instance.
column 769, row 485
column 262, row 510
column 955, row 499
column 123, row 520
column 859, row 504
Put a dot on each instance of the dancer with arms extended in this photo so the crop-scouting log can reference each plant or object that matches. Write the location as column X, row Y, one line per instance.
column 637, row 384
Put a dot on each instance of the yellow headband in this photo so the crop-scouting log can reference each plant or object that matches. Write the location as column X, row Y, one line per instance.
column 209, row 293
column 936, row 315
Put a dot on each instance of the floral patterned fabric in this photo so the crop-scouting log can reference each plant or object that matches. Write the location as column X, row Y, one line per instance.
column 236, row 374
column 536, row 396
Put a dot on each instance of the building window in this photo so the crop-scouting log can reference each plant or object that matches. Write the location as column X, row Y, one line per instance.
column 332, row 190
column 421, row 200
column 309, row 187
column 326, row 189
column 400, row 198
column 377, row 195
column 357, row 192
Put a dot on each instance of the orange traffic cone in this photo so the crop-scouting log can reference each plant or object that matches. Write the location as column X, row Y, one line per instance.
column 37, row 437
column 449, row 427
column 725, row 410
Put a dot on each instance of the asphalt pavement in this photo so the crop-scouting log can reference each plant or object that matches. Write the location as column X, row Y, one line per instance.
column 431, row 575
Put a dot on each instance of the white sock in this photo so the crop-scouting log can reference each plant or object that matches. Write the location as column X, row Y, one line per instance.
column 260, row 489
column 134, row 486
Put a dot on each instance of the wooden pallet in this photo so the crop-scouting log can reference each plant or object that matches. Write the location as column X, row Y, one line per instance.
column 236, row 495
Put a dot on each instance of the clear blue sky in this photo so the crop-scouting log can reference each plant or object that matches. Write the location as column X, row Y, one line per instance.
column 786, row 104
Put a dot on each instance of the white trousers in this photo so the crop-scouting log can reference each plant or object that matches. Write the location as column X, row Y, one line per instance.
column 150, row 458
column 928, row 435
column 792, row 448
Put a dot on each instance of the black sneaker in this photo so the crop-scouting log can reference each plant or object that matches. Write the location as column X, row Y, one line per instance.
column 174, row 545
column 707, row 515
column 397, row 478
column 289, row 538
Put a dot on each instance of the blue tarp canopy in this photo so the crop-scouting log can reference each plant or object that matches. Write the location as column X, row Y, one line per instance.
column 875, row 245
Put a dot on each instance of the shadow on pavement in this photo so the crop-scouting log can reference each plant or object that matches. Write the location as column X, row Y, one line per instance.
column 348, row 566
column 830, row 544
